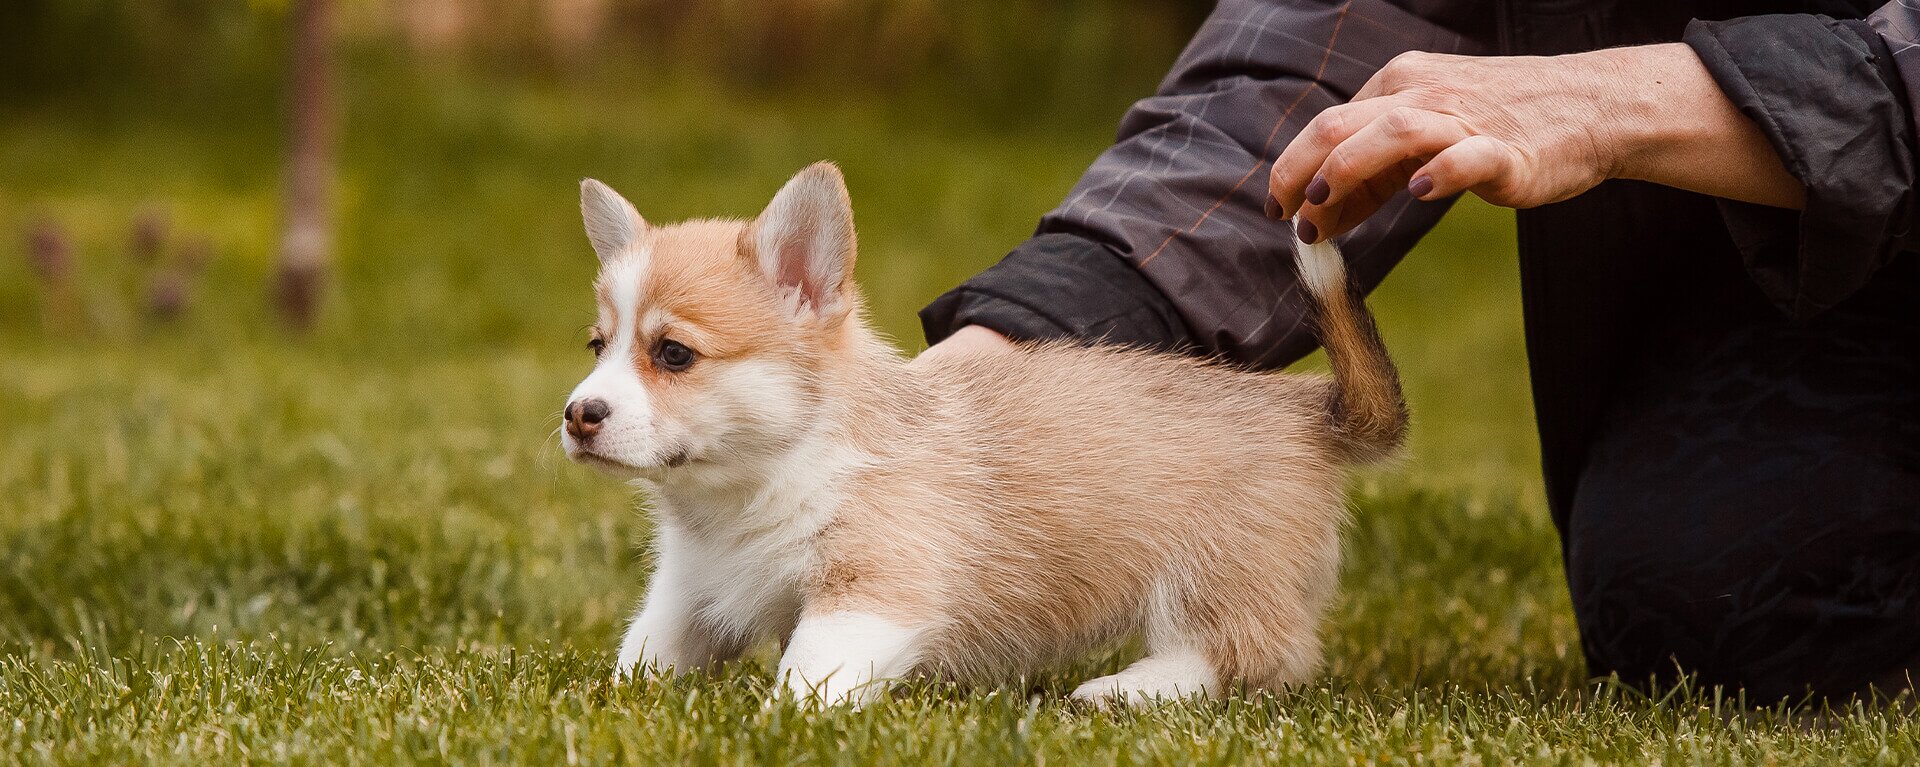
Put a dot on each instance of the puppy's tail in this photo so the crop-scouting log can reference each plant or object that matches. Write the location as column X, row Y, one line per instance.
column 1369, row 411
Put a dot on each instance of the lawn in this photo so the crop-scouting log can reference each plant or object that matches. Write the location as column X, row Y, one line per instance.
column 222, row 542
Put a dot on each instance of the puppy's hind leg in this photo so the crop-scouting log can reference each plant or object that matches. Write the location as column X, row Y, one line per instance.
column 1178, row 663
column 1263, row 631
column 1167, row 673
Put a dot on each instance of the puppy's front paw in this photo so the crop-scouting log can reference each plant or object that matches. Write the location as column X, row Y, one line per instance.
column 635, row 662
column 837, row 689
column 626, row 670
column 845, row 658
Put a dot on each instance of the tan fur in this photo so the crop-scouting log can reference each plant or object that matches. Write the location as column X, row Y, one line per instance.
column 1021, row 508
column 1060, row 486
column 1368, row 409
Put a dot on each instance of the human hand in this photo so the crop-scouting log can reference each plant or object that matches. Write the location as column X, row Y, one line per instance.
column 968, row 340
column 1523, row 131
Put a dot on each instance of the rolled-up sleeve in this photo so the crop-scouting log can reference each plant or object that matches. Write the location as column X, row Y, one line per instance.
column 1163, row 241
column 1830, row 96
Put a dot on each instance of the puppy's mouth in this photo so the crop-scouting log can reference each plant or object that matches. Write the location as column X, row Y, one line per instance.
column 590, row 458
column 673, row 460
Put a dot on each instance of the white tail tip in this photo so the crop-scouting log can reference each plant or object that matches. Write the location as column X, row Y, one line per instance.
column 1321, row 267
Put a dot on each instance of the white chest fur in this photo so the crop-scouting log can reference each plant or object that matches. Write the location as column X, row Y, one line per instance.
column 747, row 588
column 732, row 560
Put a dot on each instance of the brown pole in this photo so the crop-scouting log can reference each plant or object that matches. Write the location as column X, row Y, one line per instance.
column 306, row 233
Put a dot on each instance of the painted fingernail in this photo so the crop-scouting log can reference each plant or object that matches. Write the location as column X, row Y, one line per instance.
column 1306, row 231
column 1318, row 190
column 1421, row 187
column 1274, row 213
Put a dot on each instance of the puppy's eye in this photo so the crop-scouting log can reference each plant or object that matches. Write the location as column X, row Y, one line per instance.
column 596, row 346
column 673, row 356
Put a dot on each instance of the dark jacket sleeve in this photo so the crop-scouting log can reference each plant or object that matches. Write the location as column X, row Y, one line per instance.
column 1830, row 96
column 1163, row 242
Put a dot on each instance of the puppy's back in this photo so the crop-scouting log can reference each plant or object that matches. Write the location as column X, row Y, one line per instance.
column 1144, row 415
column 1149, row 428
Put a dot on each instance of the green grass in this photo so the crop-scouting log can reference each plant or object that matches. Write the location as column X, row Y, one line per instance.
column 220, row 543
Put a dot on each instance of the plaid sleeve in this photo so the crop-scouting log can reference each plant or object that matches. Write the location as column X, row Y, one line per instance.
column 1163, row 241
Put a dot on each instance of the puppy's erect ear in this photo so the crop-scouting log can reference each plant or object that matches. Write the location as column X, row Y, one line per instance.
column 804, row 243
column 612, row 223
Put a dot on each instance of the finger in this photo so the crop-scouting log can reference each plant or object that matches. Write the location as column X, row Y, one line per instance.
column 1333, row 221
column 1294, row 168
column 1475, row 162
column 1387, row 156
column 1403, row 70
column 1397, row 135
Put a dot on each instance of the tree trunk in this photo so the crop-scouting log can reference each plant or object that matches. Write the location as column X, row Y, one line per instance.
column 306, row 233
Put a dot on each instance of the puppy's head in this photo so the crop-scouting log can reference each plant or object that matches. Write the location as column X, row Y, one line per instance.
column 711, row 333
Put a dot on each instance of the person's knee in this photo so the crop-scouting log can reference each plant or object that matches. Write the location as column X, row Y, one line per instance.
column 1775, row 627
column 1643, row 611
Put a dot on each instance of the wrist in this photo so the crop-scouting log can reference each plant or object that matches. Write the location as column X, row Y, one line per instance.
column 1669, row 123
column 1659, row 109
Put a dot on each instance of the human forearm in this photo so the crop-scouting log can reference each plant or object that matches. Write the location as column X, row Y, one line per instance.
column 1675, row 127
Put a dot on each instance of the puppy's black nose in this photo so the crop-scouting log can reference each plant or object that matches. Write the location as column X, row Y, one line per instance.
column 584, row 417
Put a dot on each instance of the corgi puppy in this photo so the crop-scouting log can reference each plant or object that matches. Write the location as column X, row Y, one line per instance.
column 975, row 517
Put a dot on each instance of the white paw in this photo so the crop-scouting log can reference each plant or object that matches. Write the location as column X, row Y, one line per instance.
column 626, row 669
column 1109, row 692
column 1163, row 677
column 845, row 658
column 635, row 662
column 837, row 689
